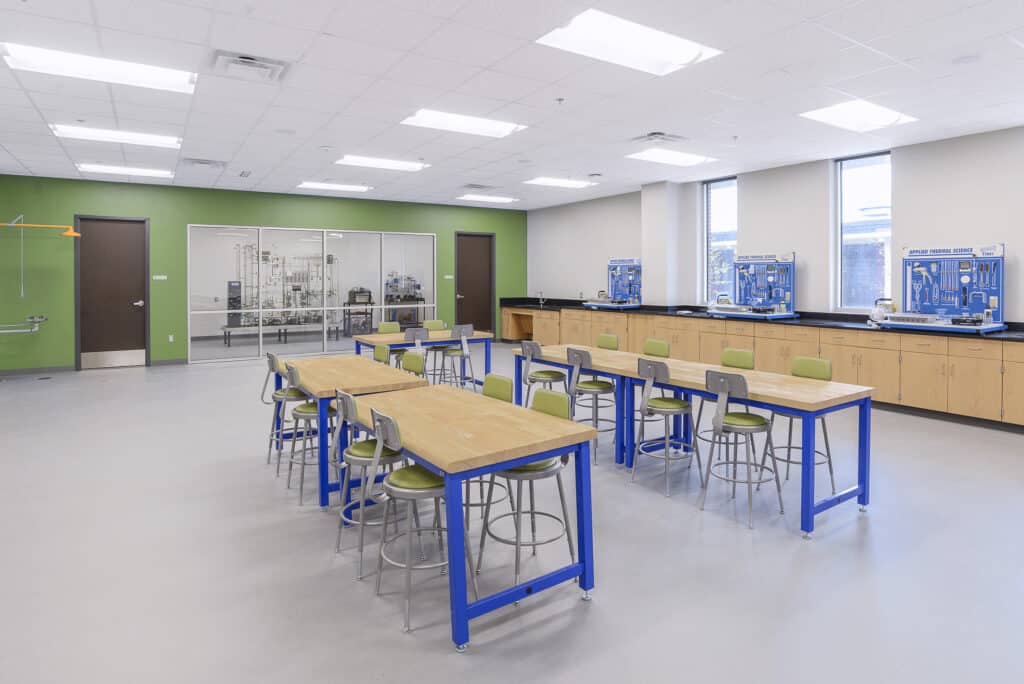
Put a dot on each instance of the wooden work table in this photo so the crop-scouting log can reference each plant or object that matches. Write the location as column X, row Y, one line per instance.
column 398, row 339
column 770, row 388
column 322, row 376
column 456, row 430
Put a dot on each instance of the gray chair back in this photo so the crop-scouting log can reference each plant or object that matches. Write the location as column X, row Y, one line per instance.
column 386, row 433
column 531, row 350
column 273, row 363
column 416, row 334
column 578, row 359
column 292, row 374
column 727, row 386
column 651, row 371
column 463, row 333
column 347, row 416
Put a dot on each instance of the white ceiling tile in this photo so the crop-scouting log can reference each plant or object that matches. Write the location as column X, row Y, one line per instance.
column 312, row 100
column 319, row 79
column 880, row 81
column 388, row 112
column 302, row 122
column 16, row 112
column 527, row 19
column 172, row 54
column 218, row 88
column 72, row 105
column 468, row 45
column 154, row 18
column 150, row 157
column 868, row 20
column 127, row 111
column 411, row 97
column 7, row 79
column 979, row 21
column 217, row 149
column 430, row 72
column 59, row 85
column 381, row 24
column 541, row 63
column 15, row 98
column 606, row 79
column 70, row 10
column 55, row 34
column 437, row 8
column 262, row 38
column 464, row 103
column 147, row 97
column 36, row 127
column 341, row 53
column 500, row 86
column 304, row 14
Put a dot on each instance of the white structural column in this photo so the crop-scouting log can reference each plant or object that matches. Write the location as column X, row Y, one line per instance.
column 659, row 242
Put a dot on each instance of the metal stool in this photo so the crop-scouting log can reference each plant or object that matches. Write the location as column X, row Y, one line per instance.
column 726, row 423
column 308, row 414
column 742, row 359
column 370, row 457
column 592, row 389
column 280, row 399
column 816, row 369
column 415, row 359
column 668, row 407
column 411, row 484
column 436, row 351
column 496, row 387
column 545, row 377
column 461, row 354
column 554, row 404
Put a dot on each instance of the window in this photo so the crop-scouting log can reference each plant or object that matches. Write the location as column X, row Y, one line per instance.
column 865, row 230
column 720, row 236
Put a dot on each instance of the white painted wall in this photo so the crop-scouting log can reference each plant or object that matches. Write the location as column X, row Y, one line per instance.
column 963, row 191
column 959, row 191
column 659, row 243
column 788, row 209
column 568, row 247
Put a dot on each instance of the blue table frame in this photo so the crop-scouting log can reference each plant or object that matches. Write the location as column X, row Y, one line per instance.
column 445, row 342
column 625, row 435
column 462, row 610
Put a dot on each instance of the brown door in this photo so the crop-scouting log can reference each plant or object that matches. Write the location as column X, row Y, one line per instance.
column 474, row 280
column 112, row 267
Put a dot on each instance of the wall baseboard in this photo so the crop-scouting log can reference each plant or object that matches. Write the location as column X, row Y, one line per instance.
column 16, row 372
column 167, row 362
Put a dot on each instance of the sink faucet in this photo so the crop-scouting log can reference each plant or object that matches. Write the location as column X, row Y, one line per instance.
column 540, row 297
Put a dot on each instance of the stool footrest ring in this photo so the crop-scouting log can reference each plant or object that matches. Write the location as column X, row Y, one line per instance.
column 524, row 542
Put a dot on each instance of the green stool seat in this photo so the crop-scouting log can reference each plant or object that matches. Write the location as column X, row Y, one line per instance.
column 414, row 477
column 535, row 466
column 555, row 375
column 596, row 385
column 367, row 448
column 668, row 403
column 310, row 409
column 289, row 394
column 744, row 420
column 453, row 351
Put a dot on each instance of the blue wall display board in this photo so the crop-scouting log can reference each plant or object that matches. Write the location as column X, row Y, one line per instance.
column 624, row 281
column 954, row 285
column 766, row 285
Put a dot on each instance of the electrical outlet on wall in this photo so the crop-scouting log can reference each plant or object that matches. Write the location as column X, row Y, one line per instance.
column 170, row 338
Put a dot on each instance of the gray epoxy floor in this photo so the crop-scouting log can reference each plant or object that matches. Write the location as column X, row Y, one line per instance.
column 145, row 541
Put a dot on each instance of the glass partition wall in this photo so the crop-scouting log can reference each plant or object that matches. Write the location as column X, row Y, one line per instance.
column 302, row 291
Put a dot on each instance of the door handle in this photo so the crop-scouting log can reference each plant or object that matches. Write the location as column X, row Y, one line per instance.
column 458, row 296
column 140, row 303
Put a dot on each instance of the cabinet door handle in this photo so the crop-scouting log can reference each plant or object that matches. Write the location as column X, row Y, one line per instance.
column 952, row 368
column 977, row 349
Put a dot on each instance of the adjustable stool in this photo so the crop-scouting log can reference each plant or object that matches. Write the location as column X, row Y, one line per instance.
column 545, row 377
column 594, row 390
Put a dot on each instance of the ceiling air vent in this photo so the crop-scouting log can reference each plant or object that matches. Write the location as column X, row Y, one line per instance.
column 478, row 186
column 203, row 163
column 248, row 67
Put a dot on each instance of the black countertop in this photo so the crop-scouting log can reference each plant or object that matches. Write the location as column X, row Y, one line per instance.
column 1015, row 333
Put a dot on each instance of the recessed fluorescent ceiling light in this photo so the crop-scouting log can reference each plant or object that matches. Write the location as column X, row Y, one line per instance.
column 112, row 136
column 460, row 123
column 338, row 187
column 859, row 116
column 377, row 163
column 559, row 182
column 663, row 156
column 494, row 199
column 60, row 63
column 619, row 41
column 125, row 170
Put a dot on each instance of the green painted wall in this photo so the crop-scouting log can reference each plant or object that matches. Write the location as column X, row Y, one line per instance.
column 49, row 258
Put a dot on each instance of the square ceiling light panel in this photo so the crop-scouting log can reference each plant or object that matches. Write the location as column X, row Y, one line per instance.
column 115, row 136
column 660, row 155
column 461, row 123
column 619, row 41
column 559, row 182
column 59, row 63
column 859, row 116
column 491, row 199
column 125, row 171
column 378, row 163
column 333, row 187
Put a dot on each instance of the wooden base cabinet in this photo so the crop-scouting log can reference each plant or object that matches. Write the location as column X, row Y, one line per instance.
column 604, row 322
column 880, row 368
column 923, row 380
column 575, row 327
column 683, row 339
column 1013, row 391
column 546, row 327
column 844, row 361
column 975, row 387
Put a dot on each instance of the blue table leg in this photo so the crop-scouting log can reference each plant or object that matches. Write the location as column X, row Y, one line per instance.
column 677, row 421
column 462, row 372
column 864, row 451
column 620, row 413
column 456, row 561
column 279, row 443
column 584, row 520
column 518, row 380
column 687, row 431
column 322, row 432
column 807, row 473
column 487, row 357
column 630, row 421
column 359, row 347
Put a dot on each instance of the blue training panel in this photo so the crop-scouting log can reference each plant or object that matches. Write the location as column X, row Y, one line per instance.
column 951, row 282
column 624, row 281
column 766, row 280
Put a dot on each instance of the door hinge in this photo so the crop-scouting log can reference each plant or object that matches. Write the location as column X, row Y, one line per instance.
column 899, row 396
column 1002, row 413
